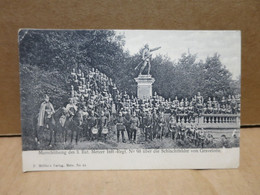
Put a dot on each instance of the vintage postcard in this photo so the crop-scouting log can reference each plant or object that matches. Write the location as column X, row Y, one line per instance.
column 129, row 99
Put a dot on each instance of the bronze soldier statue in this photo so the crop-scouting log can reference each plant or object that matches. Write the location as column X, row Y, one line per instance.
column 146, row 57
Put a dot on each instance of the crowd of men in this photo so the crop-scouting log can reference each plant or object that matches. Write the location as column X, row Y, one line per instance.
column 97, row 107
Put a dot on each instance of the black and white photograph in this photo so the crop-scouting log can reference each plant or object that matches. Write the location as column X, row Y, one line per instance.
column 125, row 91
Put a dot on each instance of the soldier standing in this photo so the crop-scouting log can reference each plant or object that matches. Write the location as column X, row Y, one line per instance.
column 102, row 123
column 148, row 122
column 161, row 123
column 77, row 124
column 155, row 123
column 45, row 119
column 135, row 123
column 182, row 129
column 92, row 122
column 173, row 127
column 127, row 123
column 120, row 127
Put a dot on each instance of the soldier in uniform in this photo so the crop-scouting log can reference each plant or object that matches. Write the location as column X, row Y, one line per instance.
column 176, row 104
column 71, row 104
column 127, row 123
column 107, row 113
column 209, row 102
column 196, row 133
column 186, row 106
column 209, row 105
column 202, row 136
column 102, row 124
column 77, row 124
column 161, row 124
column 173, row 127
column 85, row 116
column 229, row 99
column 228, row 109
column 193, row 133
column 191, row 112
column 46, row 119
column 199, row 98
column 137, row 110
column 214, row 102
column 223, row 101
column 215, row 110
column 223, row 109
column 199, row 106
column 167, row 107
column 181, row 107
column 148, row 122
column 120, row 127
column 233, row 104
column 92, row 122
column 155, row 123
column 135, row 123
column 182, row 129
column 205, row 109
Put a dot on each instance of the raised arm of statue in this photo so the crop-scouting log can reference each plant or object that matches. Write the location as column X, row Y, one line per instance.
column 154, row 49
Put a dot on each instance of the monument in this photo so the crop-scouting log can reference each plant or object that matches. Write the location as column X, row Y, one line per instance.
column 145, row 81
column 144, row 86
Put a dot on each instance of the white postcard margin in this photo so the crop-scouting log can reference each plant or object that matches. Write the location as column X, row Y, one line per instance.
column 130, row 159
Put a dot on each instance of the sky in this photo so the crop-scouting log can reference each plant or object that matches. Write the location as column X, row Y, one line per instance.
column 175, row 43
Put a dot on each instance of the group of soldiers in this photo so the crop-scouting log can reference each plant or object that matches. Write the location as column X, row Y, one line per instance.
column 96, row 108
column 96, row 84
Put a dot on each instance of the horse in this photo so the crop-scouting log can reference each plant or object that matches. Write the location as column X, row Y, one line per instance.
column 49, row 124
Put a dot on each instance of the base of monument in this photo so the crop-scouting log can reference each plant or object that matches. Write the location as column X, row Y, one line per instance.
column 144, row 86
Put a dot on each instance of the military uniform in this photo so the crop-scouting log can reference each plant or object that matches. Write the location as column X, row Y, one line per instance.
column 155, row 123
column 161, row 123
column 134, row 127
column 173, row 127
column 102, row 123
column 120, row 128
column 148, row 122
column 92, row 123
column 127, row 123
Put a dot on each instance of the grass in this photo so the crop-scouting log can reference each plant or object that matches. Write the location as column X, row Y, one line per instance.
column 111, row 143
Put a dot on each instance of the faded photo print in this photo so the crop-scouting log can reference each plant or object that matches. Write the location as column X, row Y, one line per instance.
column 129, row 89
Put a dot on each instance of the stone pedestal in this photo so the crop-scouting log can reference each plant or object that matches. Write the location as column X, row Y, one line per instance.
column 144, row 86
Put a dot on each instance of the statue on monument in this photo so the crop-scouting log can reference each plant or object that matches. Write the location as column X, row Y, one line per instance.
column 146, row 57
